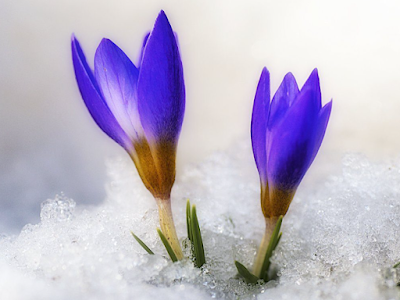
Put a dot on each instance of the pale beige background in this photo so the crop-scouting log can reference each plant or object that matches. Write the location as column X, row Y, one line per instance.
column 50, row 144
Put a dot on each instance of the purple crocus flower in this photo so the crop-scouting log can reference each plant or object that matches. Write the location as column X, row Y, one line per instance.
column 286, row 135
column 140, row 107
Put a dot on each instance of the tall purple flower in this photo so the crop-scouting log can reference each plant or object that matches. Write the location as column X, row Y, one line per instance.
column 286, row 135
column 141, row 108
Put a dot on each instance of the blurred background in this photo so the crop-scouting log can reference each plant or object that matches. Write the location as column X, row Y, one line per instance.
column 49, row 143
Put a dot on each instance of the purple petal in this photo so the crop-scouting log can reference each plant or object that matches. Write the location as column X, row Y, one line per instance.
column 292, row 142
column 283, row 99
column 259, row 124
column 313, row 84
column 117, row 78
column 93, row 100
column 323, row 119
column 146, row 37
column 161, row 90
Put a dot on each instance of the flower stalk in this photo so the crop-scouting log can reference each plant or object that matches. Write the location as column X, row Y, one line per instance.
column 168, row 226
column 270, row 224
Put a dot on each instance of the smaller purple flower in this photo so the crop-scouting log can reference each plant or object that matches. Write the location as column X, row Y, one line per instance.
column 286, row 135
column 139, row 107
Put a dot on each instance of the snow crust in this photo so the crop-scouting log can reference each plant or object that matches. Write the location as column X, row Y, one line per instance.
column 340, row 237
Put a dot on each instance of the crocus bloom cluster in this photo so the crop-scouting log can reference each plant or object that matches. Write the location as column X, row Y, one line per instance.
column 140, row 107
column 286, row 135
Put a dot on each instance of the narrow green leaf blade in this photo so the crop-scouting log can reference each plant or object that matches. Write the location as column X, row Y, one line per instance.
column 197, row 239
column 396, row 265
column 167, row 246
column 248, row 277
column 277, row 241
column 141, row 243
column 188, row 221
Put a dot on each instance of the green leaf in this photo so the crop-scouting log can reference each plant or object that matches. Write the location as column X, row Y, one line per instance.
column 196, row 239
column 194, row 235
column 248, row 277
column 167, row 246
column 141, row 243
column 275, row 238
column 396, row 265
column 277, row 241
column 188, row 221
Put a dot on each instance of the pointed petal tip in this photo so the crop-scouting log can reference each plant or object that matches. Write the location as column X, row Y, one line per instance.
column 328, row 106
column 145, row 39
column 314, row 84
column 77, row 52
column 329, row 103
column 161, row 27
column 325, row 113
column 265, row 71
column 314, row 74
column 101, row 48
column 314, row 77
column 264, row 75
column 106, row 48
column 263, row 84
column 106, row 42
column 290, row 76
column 162, row 17
column 74, row 42
column 290, row 80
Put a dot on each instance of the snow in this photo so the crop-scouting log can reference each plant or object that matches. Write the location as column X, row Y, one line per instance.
column 340, row 236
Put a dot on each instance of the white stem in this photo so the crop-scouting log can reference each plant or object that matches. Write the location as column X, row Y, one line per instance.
column 270, row 224
column 168, row 226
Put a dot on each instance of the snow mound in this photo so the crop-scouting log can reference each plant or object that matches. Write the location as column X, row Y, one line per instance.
column 340, row 237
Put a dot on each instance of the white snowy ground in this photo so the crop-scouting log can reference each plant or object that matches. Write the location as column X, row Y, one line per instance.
column 340, row 237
